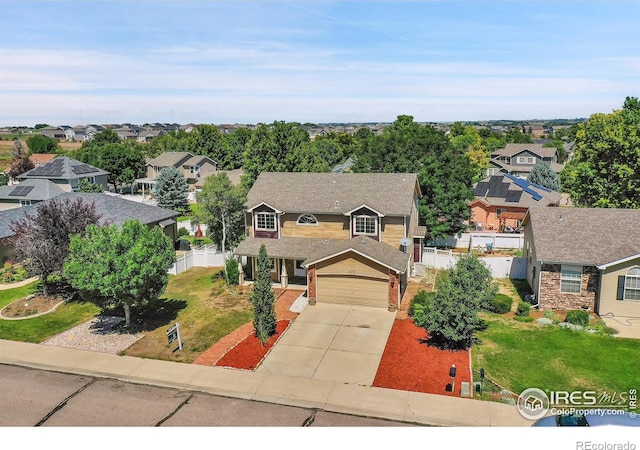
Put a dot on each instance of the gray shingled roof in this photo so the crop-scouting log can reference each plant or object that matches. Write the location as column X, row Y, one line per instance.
column 334, row 193
column 42, row 190
column 584, row 235
column 312, row 250
column 167, row 159
column 525, row 199
column 114, row 210
column 514, row 149
column 67, row 169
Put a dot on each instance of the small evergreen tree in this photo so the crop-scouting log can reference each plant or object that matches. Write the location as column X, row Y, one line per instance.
column 543, row 175
column 263, row 299
column 231, row 272
column 172, row 190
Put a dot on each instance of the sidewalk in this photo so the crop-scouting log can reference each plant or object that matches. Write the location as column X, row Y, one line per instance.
column 339, row 397
column 6, row 286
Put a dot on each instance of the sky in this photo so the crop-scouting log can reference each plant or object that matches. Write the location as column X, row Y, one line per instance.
column 219, row 62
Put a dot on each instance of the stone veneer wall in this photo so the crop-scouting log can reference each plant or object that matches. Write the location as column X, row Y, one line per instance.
column 551, row 297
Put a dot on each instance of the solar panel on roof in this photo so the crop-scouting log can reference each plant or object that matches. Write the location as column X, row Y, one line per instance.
column 513, row 196
column 83, row 168
column 21, row 191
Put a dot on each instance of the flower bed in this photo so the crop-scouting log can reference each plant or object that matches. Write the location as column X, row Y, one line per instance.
column 250, row 352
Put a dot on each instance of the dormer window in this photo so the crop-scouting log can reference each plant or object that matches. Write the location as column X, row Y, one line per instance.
column 366, row 225
column 307, row 219
column 266, row 221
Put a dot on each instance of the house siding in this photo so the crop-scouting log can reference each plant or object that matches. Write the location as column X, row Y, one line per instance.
column 393, row 230
column 551, row 298
column 608, row 304
column 352, row 264
column 488, row 215
column 329, row 227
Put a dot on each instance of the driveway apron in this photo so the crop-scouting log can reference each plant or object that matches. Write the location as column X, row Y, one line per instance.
column 334, row 342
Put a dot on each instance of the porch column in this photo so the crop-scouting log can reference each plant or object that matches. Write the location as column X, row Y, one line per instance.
column 284, row 276
column 311, row 285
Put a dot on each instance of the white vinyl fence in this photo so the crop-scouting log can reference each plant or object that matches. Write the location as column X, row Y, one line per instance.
column 206, row 256
column 473, row 240
column 500, row 266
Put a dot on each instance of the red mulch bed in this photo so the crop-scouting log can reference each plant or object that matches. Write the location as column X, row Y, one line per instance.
column 408, row 364
column 248, row 353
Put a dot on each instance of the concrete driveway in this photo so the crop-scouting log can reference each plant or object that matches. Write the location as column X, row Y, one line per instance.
column 340, row 343
column 628, row 327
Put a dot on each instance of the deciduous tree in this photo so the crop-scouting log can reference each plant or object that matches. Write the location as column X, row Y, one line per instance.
column 39, row 143
column 221, row 210
column 606, row 161
column 42, row 238
column 125, row 266
column 451, row 316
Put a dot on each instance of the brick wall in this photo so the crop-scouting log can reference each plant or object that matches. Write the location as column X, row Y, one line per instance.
column 551, row 298
column 311, row 285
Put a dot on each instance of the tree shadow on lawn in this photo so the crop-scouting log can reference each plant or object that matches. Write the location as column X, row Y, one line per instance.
column 150, row 316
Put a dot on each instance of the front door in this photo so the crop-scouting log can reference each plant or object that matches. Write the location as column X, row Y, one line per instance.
column 299, row 271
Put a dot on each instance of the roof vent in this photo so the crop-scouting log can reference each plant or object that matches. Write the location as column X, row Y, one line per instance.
column 560, row 219
column 325, row 241
column 363, row 241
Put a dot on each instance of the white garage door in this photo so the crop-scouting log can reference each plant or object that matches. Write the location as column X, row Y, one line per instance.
column 352, row 290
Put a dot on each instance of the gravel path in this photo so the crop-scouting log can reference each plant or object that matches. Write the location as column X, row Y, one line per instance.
column 96, row 335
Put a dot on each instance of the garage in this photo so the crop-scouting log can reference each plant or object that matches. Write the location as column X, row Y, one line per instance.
column 352, row 290
column 354, row 279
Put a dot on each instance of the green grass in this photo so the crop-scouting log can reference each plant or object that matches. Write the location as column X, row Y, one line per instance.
column 205, row 309
column 523, row 355
column 38, row 329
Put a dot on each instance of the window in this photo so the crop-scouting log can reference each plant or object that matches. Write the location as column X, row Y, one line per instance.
column 526, row 160
column 366, row 225
column 25, row 202
column 570, row 279
column 195, row 170
column 307, row 219
column 632, row 284
column 266, row 221
column 500, row 211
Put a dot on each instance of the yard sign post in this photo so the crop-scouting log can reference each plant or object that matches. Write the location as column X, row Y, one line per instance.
column 173, row 334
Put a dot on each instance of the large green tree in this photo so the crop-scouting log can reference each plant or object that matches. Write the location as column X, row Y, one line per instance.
column 123, row 160
column 221, row 210
column 542, row 174
column 113, row 266
column 268, row 148
column 451, row 316
column 605, row 168
column 263, row 298
column 172, row 190
column 42, row 238
column 444, row 173
column 39, row 143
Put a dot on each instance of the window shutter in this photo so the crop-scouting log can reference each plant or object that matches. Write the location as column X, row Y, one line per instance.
column 620, row 288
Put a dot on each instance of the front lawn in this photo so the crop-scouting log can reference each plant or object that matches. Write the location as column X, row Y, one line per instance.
column 523, row 355
column 205, row 309
column 40, row 328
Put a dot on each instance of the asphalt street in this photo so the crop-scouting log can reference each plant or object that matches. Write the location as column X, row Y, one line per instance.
column 39, row 398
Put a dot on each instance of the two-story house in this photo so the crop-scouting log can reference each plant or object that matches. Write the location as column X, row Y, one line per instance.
column 349, row 237
column 501, row 201
column 519, row 159
column 195, row 168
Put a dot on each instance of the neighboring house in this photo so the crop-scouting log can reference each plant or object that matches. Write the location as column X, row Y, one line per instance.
column 519, row 159
column 149, row 135
column 113, row 210
column 29, row 192
column 349, row 237
column 584, row 257
column 78, row 133
column 66, row 173
column 194, row 168
column 39, row 159
column 53, row 132
column 344, row 167
column 502, row 201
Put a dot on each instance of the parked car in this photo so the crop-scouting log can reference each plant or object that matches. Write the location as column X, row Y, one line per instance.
column 589, row 420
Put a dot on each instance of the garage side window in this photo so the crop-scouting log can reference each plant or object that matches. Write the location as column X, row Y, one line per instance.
column 632, row 284
column 570, row 279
